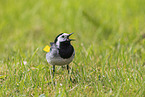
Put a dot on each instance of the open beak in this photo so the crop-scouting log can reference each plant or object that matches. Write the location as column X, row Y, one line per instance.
column 69, row 36
column 71, row 39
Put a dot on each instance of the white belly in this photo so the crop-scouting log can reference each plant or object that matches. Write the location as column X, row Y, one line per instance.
column 57, row 60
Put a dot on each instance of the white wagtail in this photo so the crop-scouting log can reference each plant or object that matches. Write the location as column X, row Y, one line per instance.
column 61, row 51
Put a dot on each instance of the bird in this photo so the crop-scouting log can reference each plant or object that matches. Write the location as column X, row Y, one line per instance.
column 61, row 51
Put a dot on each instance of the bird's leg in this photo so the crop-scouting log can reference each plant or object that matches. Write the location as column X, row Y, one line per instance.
column 53, row 70
column 68, row 72
column 68, row 68
column 53, row 75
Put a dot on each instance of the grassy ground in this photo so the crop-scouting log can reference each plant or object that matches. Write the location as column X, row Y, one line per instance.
column 110, row 47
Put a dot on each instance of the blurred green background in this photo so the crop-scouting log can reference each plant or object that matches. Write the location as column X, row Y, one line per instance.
column 108, row 33
column 29, row 24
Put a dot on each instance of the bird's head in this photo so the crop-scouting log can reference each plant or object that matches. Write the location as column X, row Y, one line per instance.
column 63, row 38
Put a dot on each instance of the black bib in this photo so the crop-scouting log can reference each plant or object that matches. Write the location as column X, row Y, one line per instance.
column 66, row 50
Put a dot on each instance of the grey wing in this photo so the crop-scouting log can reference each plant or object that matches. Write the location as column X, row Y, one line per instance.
column 53, row 46
column 53, row 50
column 53, row 54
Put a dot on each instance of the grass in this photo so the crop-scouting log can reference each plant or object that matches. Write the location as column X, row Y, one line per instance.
column 109, row 47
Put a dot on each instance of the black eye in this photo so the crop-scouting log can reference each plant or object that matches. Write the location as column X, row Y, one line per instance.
column 62, row 36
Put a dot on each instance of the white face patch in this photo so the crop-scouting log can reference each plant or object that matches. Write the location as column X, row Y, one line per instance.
column 61, row 38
